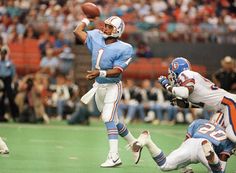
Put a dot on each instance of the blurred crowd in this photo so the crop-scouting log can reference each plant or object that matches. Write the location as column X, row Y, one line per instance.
column 40, row 97
column 176, row 20
column 53, row 93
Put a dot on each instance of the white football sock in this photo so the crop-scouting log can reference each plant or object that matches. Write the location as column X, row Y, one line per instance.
column 129, row 138
column 113, row 145
column 153, row 149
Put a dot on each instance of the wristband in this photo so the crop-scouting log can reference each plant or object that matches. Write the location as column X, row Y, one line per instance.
column 167, row 86
column 102, row 73
column 86, row 21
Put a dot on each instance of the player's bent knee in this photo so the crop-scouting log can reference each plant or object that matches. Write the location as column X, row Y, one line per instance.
column 106, row 119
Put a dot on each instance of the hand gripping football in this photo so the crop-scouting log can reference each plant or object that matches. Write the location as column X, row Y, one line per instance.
column 90, row 10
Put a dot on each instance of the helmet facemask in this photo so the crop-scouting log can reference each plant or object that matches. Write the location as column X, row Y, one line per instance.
column 172, row 77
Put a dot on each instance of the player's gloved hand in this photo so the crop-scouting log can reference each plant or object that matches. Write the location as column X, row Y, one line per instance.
column 164, row 82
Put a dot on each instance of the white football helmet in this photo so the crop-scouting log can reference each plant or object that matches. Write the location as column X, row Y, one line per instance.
column 118, row 26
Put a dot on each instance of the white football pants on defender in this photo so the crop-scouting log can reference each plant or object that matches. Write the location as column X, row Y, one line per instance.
column 190, row 151
column 107, row 98
column 229, row 111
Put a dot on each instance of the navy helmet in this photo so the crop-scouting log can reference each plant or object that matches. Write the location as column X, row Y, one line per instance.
column 177, row 66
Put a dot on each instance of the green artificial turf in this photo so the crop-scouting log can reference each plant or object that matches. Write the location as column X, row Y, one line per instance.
column 59, row 148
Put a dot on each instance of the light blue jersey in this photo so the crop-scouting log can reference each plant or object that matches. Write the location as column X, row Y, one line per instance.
column 7, row 69
column 214, row 133
column 105, row 57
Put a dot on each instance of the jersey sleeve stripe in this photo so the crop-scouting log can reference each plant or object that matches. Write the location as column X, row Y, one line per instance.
column 187, row 82
column 119, row 68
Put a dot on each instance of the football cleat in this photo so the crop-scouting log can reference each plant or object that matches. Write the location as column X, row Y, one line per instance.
column 143, row 138
column 3, row 147
column 136, row 150
column 4, row 151
column 137, row 146
column 208, row 151
column 113, row 160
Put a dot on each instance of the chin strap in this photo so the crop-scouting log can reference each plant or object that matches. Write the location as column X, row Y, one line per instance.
column 105, row 35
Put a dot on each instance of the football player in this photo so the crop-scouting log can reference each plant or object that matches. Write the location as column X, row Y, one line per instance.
column 110, row 57
column 198, row 90
column 205, row 143
column 3, row 147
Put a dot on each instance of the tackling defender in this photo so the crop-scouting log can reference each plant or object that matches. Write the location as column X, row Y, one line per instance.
column 110, row 57
column 200, row 91
column 206, row 142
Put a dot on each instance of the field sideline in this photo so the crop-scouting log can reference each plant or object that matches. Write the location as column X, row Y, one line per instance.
column 59, row 148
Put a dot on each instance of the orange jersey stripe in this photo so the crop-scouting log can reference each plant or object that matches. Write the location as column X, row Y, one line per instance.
column 232, row 111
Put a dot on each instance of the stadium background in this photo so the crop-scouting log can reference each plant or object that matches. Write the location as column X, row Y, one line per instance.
column 203, row 31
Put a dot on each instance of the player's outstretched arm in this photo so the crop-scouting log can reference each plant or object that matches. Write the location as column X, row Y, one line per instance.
column 79, row 30
column 178, row 91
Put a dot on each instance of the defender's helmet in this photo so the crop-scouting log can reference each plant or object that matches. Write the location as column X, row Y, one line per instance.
column 177, row 66
column 118, row 26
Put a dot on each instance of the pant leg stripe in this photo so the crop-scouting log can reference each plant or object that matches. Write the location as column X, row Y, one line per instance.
column 116, row 102
column 231, row 106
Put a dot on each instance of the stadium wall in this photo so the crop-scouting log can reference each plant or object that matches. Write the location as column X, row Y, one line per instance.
column 208, row 54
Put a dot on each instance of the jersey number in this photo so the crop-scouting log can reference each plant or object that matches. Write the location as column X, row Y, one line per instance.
column 209, row 129
column 100, row 52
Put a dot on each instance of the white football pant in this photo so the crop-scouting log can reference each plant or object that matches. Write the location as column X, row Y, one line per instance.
column 190, row 151
column 107, row 98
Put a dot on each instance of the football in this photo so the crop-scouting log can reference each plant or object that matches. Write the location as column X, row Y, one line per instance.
column 90, row 10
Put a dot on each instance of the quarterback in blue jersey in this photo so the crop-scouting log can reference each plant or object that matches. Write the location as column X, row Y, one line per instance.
column 110, row 57
column 205, row 143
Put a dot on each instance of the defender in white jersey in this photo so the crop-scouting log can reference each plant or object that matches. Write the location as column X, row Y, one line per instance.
column 110, row 57
column 200, row 91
